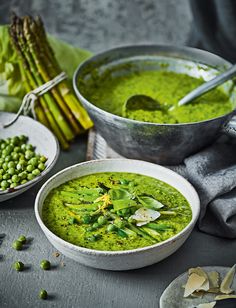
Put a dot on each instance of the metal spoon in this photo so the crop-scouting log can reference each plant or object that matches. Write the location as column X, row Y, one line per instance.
column 145, row 102
column 209, row 85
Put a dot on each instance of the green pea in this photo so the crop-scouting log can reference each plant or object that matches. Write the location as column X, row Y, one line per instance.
column 16, row 149
column 43, row 294
column 15, row 156
column 41, row 166
column 22, row 239
column 15, row 178
column 30, row 168
column 8, row 158
column 6, row 176
column 102, row 220
column 4, row 184
column 1, row 171
column 19, row 266
column 95, row 225
column 28, row 154
column 86, row 219
column 29, row 147
column 34, row 161
column 45, row 265
column 3, row 145
column 23, row 182
column 17, row 245
column 11, row 171
column 30, row 176
column 19, row 167
column 5, row 166
column 15, row 140
column 23, row 175
column 23, row 138
column 111, row 228
column 36, row 172
column 13, row 185
column 43, row 159
column 23, row 147
column 11, row 164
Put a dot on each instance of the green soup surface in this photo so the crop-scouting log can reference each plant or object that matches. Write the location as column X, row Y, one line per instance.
column 115, row 211
column 110, row 92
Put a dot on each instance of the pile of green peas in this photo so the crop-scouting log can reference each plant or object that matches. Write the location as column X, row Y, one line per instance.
column 18, row 162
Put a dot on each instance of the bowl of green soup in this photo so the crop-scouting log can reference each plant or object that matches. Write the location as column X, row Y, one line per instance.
column 104, row 82
column 117, row 214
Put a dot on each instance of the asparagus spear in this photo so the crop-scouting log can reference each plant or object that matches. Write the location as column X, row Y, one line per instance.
column 39, row 57
column 26, row 65
column 79, row 112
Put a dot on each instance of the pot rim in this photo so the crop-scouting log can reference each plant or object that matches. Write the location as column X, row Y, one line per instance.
column 163, row 47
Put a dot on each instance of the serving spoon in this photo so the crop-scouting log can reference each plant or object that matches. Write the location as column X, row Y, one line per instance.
column 145, row 102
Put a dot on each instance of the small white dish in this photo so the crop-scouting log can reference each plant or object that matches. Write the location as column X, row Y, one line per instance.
column 172, row 297
column 39, row 136
column 128, row 259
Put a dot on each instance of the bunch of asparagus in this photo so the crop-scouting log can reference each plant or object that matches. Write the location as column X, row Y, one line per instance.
column 58, row 109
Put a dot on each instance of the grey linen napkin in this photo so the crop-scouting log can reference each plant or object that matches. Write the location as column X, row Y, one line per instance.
column 212, row 171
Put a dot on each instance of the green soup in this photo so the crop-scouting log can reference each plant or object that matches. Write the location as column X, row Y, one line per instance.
column 115, row 211
column 110, row 91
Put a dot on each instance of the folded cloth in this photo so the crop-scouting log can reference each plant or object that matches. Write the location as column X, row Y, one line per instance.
column 212, row 172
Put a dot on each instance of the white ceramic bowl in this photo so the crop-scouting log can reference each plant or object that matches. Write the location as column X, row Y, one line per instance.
column 128, row 259
column 39, row 136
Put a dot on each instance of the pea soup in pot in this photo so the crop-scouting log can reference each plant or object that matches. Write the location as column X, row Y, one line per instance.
column 115, row 211
column 110, row 91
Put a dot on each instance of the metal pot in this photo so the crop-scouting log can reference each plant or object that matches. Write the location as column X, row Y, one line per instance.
column 161, row 143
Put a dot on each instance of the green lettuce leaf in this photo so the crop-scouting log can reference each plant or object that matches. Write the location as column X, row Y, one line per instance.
column 11, row 87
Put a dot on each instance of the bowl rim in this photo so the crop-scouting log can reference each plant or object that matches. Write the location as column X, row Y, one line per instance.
column 169, row 48
column 89, row 251
column 12, row 191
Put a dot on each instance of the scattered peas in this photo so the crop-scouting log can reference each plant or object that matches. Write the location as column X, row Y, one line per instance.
column 17, row 245
column 45, row 265
column 22, row 239
column 18, row 266
column 19, row 162
column 43, row 294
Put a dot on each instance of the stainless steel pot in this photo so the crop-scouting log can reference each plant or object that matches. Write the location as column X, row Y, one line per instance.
column 161, row 143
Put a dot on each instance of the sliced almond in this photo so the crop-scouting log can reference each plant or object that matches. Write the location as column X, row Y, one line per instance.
column 194, row 283
column 227, row 281
column 207, row 305
column 200, row 272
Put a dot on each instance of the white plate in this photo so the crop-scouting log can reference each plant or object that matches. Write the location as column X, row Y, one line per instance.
column 39, row 136
column 172, row 297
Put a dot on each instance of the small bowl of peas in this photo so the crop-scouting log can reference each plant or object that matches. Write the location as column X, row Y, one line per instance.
column 28, row 151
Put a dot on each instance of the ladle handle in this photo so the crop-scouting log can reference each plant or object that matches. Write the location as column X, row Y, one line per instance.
column 207, row 86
